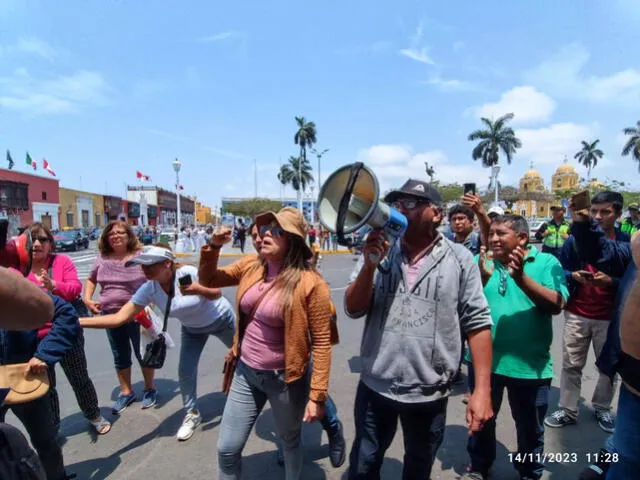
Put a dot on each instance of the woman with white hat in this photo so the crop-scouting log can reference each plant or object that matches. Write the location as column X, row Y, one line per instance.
column 202, row 312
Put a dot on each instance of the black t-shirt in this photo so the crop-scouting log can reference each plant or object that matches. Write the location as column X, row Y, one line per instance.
column 241, row 232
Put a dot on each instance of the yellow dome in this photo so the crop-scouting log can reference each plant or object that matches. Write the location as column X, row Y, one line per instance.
column 565, row 168
column 532, row 174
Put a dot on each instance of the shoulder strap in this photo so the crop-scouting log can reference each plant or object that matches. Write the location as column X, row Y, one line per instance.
column 170, row 295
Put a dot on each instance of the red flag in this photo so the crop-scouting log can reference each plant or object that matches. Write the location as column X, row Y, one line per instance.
column 139, row 174
column 146, row 178
column 179, row 187
column 47, row 166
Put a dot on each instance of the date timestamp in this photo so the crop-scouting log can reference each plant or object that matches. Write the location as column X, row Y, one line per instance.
column 567, row 457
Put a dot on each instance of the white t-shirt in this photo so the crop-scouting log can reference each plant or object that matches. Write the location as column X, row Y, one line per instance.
column 193, row 311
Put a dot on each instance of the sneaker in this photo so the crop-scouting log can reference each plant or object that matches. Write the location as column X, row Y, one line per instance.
column 596, row 470
column 122, row 403
column 337, row 447
column 606, row 420
column 559, row 418
column 191, row 421
column 150, row 398
column 473, row 476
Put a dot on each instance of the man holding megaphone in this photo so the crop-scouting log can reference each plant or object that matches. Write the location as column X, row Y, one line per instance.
column 416, row 307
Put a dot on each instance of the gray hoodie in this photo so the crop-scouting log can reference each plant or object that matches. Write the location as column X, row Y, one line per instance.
column 411, row 341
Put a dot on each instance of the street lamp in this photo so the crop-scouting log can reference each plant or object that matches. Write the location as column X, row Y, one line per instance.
column 176, row 166
column 319, row 155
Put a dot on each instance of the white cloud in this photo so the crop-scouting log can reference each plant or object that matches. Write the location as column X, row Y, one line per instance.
column 550, row 144
column 394, row 164
column 525, row 102
column 217, row 37
column 417, row 51
column 57, row 95
column 563, row 75
column 31, row 46
column 451, row 84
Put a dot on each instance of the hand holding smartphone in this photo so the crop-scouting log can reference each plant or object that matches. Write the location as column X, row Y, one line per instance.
column 469, row 189
column 185, row 281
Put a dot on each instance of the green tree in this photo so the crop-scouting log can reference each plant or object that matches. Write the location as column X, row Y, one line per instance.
column 496, row 137
column 632, row 147
column 449, row 192
column 252, row 207
column 589, row 156
column 305, row 137
column 296, row 173
column 563, row 193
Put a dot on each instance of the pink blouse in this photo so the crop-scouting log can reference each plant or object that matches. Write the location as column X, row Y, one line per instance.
column 64, row 273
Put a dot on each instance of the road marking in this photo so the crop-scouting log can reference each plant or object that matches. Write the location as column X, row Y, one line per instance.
column 339, row 289
column 84, row 259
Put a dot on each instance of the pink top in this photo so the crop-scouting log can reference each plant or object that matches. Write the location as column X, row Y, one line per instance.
column 64, row 273
column 414, row 270
column 68, row 286
column 263, row 340
column 117, row 282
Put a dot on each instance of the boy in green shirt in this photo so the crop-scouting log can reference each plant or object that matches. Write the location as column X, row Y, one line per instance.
column 524, row 289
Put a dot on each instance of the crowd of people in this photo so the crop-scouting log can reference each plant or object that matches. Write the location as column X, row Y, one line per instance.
column 431, row 302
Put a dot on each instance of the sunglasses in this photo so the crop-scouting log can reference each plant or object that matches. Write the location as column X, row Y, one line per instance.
column 275, row 230
column 42, row 239
column 408, row 204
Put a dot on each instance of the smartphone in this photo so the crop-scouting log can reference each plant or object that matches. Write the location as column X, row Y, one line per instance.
column 185, row 281
column 469, row 188
column 586, row 274
column 581, row 201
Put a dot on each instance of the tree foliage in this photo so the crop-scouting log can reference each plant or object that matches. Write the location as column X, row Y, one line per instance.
column 632, row 146
column 495, row 138
column 252, row 207
column 296, row 173
column 589, row 155
column 449, row 192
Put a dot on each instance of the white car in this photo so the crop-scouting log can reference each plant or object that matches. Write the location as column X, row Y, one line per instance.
column 534, row 226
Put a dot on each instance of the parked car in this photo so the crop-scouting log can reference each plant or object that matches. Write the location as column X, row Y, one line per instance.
column 534, row 226
column 70, row 240
column 95, row 234
column 83, row 238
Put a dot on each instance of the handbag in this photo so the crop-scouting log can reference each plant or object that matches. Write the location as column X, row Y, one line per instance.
column 22, row 389
column 231, row 359
column 156, row 351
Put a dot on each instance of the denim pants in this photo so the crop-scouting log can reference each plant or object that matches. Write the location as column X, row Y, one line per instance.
column 529, row 401
column 250, row 390
column 122, row 339
column 626, row 438
column 376, row 421
column 39, row 420
column 192, row 343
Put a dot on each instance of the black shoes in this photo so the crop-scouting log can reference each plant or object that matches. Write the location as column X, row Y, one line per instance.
column 337, row 447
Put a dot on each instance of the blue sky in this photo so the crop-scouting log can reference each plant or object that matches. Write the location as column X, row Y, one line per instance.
column 104, row 88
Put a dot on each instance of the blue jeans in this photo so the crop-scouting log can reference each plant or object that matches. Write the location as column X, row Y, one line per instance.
column 529, row 401
column 250, row 390
column 192, row 344
column 376, row 420
column 122, row 339
column 39, row 420
column 626, row 438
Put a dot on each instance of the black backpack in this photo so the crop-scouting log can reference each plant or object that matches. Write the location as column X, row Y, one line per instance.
column 18, row 461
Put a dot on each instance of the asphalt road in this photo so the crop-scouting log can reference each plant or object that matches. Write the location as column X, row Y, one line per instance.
column 142, row 442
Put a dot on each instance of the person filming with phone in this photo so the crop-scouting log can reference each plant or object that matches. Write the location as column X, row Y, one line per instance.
column 202, row 311
column 588, row 315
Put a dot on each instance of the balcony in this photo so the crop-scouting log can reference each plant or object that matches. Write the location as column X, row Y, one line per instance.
column 14, row 195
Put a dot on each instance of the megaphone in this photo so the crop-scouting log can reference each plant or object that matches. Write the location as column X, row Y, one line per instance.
column 349, row 200
column 16, row 252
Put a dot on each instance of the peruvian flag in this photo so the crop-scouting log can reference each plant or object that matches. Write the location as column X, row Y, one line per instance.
column 47, row 166
column 179, row 187
column 142, row 176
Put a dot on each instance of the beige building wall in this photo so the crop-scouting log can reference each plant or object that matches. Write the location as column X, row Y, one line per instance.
column 79, row 209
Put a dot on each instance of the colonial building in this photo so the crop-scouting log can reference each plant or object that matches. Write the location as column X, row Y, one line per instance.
column 203, row 214
column 161, row 206
column 27, row 198
column 79, row 209
column 534, row 200
column 565, row 178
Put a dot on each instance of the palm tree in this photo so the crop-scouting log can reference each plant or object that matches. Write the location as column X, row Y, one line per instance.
column 632, row 147
column 305, row 137
column 296, row 173
column 589, row 156
column 495, row 138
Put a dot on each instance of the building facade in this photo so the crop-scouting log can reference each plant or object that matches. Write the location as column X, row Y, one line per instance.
column 204, row 216
column 565, row 178
column 168, row 208
column 79, row 209
column 27, row 198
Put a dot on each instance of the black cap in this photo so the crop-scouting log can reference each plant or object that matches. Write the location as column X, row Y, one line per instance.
column 415, row 188
column 558, row 207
